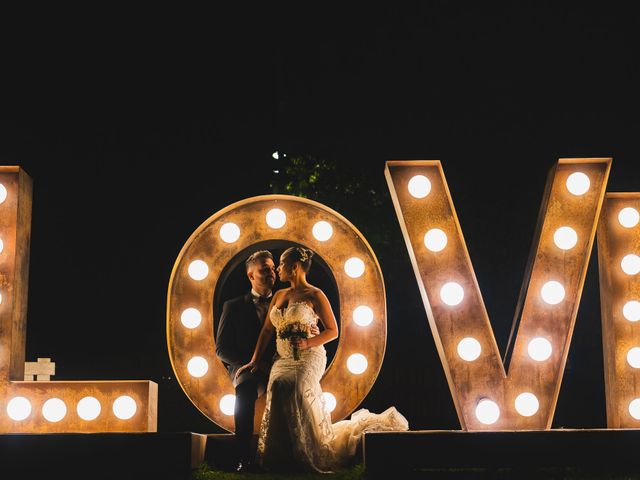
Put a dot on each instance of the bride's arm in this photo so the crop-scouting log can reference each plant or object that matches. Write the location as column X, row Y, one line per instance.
column 323, row 310
column 266, row 334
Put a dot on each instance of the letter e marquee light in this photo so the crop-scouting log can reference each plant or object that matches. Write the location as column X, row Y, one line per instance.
column 619, row 265
column 50, row 406
column 235, row 229
column 485, row 396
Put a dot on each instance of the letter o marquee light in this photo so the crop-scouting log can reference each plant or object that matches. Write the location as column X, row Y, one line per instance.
column 250, row 216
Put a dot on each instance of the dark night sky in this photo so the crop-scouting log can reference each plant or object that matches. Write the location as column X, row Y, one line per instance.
column 135, row 129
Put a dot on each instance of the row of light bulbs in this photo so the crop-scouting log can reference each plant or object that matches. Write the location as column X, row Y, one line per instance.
column 55, row 409
column 552, row 292
column 230, row 232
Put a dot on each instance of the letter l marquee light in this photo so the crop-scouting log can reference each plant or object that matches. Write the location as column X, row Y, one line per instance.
column 485, row 396
column 57, row 406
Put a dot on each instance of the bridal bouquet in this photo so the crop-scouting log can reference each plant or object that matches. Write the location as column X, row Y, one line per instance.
column 294, row 330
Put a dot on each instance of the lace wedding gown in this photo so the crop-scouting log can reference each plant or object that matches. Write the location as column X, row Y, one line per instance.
column 296, row 431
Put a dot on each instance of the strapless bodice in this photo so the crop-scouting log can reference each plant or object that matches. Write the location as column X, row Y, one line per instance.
column 295, row 312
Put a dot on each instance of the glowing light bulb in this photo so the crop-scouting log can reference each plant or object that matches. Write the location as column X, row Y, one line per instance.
column 197, row 367
column 628, row 217
column 228, row 404
column 275, row 155
column 552, row 292
column 634, row 408
column 527, row 404
column 229, row 232
column 487, row 411
column 198, row 270
column 363, row 315
column 539, row 349
column 469, row 349
column 357, row 363
column 354, row 267
column 191, row 317
column 630, row 264
column 419, row 186
column 124, row 407
column 322, row 231
column 578, row 183
column 631, row 310
column 633, row 357
column 276, row 218
column 565, row 238
column 89, row 408
column 452, row 293
column 3, row 193
column 1, row 245
column 18, row 408
column 330, row 402
column 435, row 240
column 54, row 410
column 0, row 297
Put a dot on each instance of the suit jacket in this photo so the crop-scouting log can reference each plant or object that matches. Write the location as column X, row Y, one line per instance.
column 238, row 334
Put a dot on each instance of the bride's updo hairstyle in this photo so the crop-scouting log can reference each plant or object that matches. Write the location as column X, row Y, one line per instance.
column 299, row 254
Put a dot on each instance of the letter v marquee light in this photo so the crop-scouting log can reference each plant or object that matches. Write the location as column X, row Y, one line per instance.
column 485, row 396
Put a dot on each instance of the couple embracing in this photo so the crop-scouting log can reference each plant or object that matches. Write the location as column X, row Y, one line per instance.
column 296, row 432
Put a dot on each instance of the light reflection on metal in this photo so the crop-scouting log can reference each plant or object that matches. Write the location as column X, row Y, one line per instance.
column 618, row 292
column 484, row 395
column 15, row 231
column 294, row 222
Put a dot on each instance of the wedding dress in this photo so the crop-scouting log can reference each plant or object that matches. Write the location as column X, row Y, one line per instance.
column 296, row 430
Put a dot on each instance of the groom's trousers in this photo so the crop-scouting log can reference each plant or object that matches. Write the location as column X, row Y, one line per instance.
column 248, row 388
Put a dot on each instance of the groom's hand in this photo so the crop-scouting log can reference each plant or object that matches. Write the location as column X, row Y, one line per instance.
column 249, row 365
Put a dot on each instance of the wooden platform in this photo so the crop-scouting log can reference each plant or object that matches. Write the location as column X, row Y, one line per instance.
column 606, row 450
column 101, row 455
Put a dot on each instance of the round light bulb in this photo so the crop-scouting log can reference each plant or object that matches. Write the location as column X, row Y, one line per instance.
column 628, row 217
column 89, row 408
column 1, row 245
column 354, row 267
column 3, row 193
column 630, row 264
column 322, row 231
column 633, row 357
column 565, row 238
column 329, row 401
column 527, row 404
column 469, row 349
column 357, row 363
column 419, row 186
column 452, row 293
column 228, row 404
column 539, row 349
column 0, row 297
column 631, row 311
column 578, row 183
column 198, row 270
column 197, row 367
column 18, row 408
column 54, row 410
column 276, row 218
column 191, row 317
column 363, row 315
column 229, row 232
column 124, row 407
column 634, row 408
column 487, row 411
column 435, row 240
column 552, row 292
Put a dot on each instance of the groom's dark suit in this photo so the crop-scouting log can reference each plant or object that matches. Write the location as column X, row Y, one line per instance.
column 238, row 332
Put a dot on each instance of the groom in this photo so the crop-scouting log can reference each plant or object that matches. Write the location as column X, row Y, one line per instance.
column 240, row 324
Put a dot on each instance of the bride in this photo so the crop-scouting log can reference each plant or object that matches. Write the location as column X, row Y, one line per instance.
column 296, row 430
